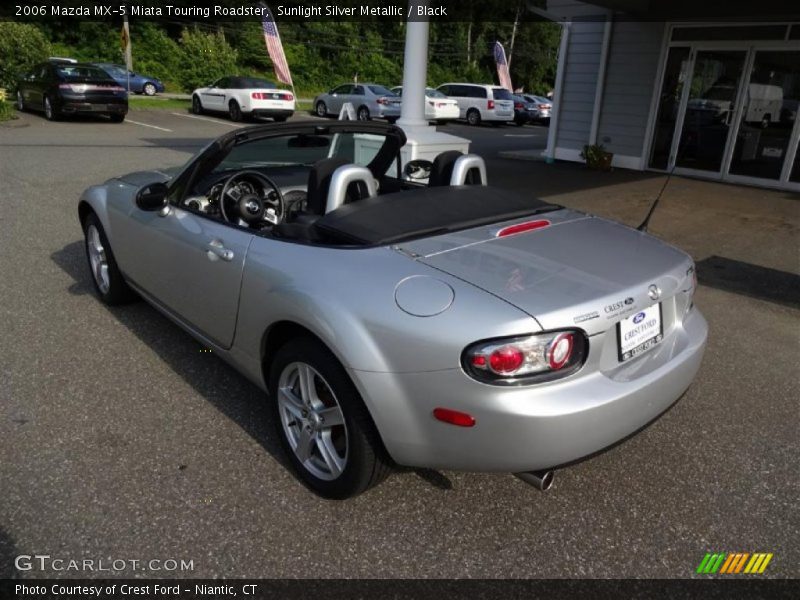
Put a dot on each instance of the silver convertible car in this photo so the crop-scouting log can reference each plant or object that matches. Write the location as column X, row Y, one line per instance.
column 402, row 314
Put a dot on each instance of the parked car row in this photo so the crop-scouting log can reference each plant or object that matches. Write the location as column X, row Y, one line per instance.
column 474, row 103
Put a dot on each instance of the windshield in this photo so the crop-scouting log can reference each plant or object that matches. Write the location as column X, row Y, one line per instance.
column 379, row 90
column 302, row 150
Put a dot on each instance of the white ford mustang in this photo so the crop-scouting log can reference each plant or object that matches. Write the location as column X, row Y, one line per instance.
column 243, row 98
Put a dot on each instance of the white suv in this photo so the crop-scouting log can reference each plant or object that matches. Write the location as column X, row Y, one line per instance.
column 478, row 102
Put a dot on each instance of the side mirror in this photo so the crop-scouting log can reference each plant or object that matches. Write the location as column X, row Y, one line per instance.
column 416, row 170
column 152, row 197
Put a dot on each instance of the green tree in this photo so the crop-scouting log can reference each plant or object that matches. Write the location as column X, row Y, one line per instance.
column 21, row 46
column 203, row 58
column 155, row 53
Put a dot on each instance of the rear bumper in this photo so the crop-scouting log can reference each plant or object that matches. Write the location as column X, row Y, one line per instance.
column 532, row 427
column 83, row 107
column 272, row 112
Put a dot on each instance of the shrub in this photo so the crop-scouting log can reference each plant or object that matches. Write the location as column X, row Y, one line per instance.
column 204, row 57
column 21, row 46
column 6, row 111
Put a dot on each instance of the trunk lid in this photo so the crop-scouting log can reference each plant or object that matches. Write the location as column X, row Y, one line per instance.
column 576, row 271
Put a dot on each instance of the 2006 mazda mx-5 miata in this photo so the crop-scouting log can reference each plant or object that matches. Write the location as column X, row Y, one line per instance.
column 402, row 314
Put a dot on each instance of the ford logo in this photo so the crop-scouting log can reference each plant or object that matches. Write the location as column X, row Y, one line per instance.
column 638, row 318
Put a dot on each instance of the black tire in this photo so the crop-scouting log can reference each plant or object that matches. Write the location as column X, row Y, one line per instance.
column 279, row 119
column 321, row 109
column 20, row 102
column 519, row 122
column 149, row 89
column 50, row 112
column 366, row 462
column 197, row 106
column 117, row 292
column 392, row 120
column 234, row 111
column 473, row 117
column 363, row 114
column 115, row 118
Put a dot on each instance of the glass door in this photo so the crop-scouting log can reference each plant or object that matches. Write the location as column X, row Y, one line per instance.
column 708, row 110
column 766, row 140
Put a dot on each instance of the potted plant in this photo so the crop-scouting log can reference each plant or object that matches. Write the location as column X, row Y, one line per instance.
column 597, row 157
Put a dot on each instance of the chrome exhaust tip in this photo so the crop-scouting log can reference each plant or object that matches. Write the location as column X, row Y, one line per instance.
column 541, row 480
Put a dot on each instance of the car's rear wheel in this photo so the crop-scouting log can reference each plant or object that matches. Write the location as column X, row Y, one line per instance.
column 197, row 107
column 473, row 117
column 20, row 102
column 363, row 113
column 321, row 109
column 49, row 111
column 106, row 276
column 392, row 120
column 234, row 111
column 149, row 89
column 115, row 118
column 322, row 422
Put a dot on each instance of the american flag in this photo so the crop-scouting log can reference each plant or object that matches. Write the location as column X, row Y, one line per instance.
column 275, row 48
column 502, row 66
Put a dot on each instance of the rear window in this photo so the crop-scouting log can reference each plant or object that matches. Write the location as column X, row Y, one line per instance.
column 69, row 72
column 434, row 93
column 502, row 94
column 252, row 82
column 379, row 90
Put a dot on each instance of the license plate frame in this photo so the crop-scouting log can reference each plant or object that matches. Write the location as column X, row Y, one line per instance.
column 644, row 345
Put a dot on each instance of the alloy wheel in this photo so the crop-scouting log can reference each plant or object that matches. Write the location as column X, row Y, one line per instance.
column 97, row 259
column 149, row 89
column 312, row 421
column 363, row 114
column 48, row 109
column 322, row 110
column 20, row 101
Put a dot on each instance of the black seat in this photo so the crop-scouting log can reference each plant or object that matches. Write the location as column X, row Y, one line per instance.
column 319, row 183
column 442, row 169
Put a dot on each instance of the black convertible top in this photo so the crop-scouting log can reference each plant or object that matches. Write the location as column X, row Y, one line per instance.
column 422, row 212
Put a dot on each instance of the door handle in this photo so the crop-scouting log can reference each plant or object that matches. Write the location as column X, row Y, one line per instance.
column 215, row 250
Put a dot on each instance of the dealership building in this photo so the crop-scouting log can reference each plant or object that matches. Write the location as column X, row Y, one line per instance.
column 716, row 96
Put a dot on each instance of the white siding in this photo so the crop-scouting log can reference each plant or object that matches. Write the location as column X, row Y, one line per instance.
column 630, row 78
column 580, row 83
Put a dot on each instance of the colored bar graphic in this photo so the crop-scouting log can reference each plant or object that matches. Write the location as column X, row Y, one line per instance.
column 734, row 563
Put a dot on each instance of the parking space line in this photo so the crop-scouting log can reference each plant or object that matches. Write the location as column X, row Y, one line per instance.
column 148, row 125
column 207, row 119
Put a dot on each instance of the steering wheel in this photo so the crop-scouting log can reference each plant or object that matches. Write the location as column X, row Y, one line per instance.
column 251, row 207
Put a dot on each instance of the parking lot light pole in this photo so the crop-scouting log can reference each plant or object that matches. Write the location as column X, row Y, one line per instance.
column 423, row 141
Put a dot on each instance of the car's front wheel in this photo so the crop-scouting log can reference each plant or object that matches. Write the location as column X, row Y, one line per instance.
column 106, row 276
column 234, row 111
column 149, row 89
column 322, row 422
column 321, row 109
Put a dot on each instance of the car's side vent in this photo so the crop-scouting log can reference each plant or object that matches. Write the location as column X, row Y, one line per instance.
column 469, row 170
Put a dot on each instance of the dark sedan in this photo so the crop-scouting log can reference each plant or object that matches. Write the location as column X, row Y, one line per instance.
column 68, row 89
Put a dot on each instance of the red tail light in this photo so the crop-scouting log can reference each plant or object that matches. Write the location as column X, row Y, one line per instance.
column 383, row 101
column 454, row 417
column 526, row 359
column 270, row 96
column 518, row 105
column 490, row 104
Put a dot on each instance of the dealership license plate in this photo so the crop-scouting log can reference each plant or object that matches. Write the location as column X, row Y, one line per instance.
column 639, row 332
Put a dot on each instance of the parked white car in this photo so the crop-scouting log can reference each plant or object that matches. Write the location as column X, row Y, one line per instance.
column 243, row 98
column 478, row 103
column 438, row 107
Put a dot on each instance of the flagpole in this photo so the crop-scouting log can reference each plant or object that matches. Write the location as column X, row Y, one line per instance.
column 127, row 49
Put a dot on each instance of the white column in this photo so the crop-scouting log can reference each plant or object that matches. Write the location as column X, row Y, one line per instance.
column 423, row 141
column 415, row 72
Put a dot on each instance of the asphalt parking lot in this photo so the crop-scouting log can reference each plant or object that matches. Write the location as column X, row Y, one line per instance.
column 121, row 439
